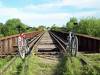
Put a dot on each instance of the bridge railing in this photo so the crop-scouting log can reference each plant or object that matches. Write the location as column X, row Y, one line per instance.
column 86, row 43
column 8, row 44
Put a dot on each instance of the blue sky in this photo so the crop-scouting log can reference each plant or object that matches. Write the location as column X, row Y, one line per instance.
column 48, row 12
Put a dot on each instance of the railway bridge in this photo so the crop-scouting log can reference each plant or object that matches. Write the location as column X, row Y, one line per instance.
column 47, row 44
column 8, row 45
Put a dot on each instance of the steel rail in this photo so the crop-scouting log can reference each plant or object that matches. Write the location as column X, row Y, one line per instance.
column 57, row 39
column 60, row 42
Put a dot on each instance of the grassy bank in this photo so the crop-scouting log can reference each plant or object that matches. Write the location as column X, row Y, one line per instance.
column 73, row 66
column 94, row 59
column 66, row 66
column 41, row 66
column 15, row 68
column 3, row 61
column 33, row 66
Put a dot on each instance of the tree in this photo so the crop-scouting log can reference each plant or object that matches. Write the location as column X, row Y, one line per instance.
column 89, row 26
column 70, row 25
column 5, row 30
column 1, row 26
column 41, row 28
column 11, row 27
column 55, row 28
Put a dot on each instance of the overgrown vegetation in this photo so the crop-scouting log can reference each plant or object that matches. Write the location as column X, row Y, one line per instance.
column 10, row 27
column 68, row 66
column 41, row 66
column 73, row 66
column 15, row 26
column 15, row 68
column 3, row 61
column 35, row 66
column 65, row 66
column 89, row 26
column 94, row 60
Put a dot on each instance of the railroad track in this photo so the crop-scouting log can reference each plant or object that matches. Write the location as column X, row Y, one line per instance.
column 50, row 46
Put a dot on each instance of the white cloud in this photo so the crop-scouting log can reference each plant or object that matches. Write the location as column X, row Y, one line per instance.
column 60, row 18
column 74, row 3
column 81, row 3
column 49, row 19
column 38, row 18
column 86, row 14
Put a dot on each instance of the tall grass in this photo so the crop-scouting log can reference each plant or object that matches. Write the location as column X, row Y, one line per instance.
column 3, row 61
column 34, row 65
column 94, row 60
column 65, row 66
column 39, row 66
column 68, row 66
column 73, row 66
column 15, row 68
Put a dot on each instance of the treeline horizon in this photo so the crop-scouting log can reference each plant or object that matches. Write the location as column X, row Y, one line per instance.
column 15, row 26
column 89, row 26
